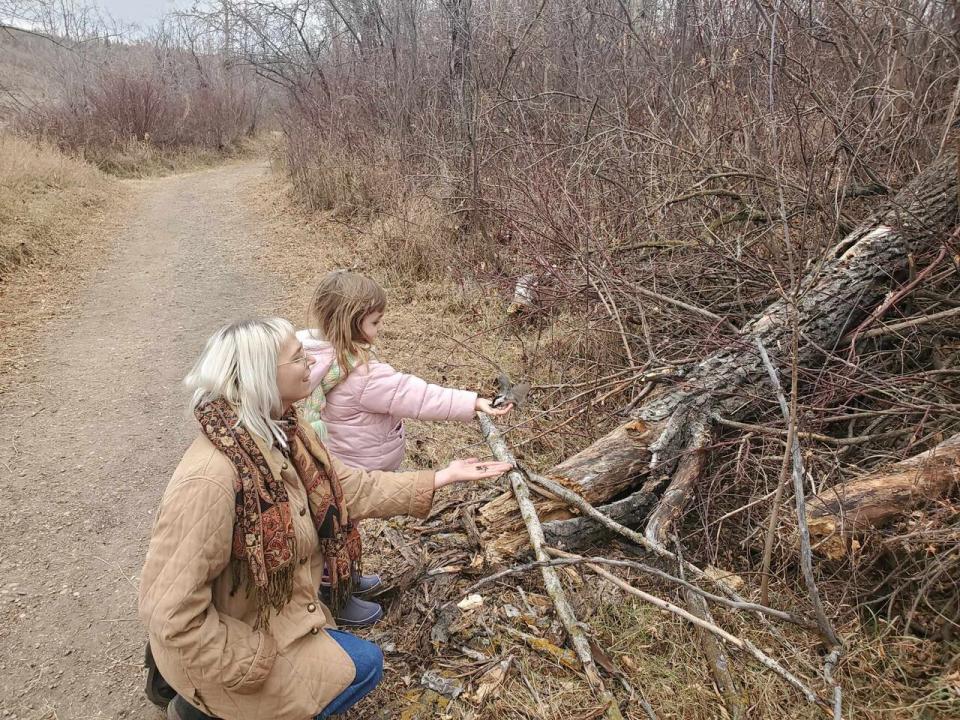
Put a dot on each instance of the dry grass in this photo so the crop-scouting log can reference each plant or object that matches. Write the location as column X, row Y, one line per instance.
column 53, row 210
column 883, row 675
column 139, row 159
column 45, row 198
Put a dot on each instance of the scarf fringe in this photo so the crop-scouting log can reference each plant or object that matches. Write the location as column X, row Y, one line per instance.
column 269, row 599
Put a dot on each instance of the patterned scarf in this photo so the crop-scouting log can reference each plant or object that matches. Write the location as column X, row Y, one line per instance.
column 263, row 537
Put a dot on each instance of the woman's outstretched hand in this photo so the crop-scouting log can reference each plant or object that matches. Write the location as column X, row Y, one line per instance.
column 470, row 469
column 486, row 406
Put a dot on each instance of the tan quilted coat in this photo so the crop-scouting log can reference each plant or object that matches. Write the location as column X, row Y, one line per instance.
column 202, row 636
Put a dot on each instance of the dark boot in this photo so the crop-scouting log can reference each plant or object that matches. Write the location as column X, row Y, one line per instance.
column 362, row 584
column 158, row 691
column 180, row 709
column 358, row 613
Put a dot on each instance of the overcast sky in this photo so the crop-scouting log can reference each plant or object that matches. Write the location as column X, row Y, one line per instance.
column 142, row 12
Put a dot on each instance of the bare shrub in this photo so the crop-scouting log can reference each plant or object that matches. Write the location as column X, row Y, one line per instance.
column 118, row 107
column 172, row 93
column 326, row 178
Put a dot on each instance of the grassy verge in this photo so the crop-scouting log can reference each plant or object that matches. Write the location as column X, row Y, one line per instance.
column 139, row 159
column 52, row 209
column 45, row 199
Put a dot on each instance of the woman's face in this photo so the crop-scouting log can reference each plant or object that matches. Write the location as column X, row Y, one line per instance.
column 293, row 372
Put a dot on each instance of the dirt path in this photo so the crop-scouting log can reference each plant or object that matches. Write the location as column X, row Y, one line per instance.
column 90, row 434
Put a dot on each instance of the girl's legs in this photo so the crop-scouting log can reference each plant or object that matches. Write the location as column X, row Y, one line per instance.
column 368, row 660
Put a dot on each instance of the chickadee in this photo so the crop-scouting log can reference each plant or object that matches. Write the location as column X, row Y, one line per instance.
column 510, row 393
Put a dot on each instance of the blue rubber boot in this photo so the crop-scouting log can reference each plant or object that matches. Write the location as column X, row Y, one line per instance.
column 358, row 613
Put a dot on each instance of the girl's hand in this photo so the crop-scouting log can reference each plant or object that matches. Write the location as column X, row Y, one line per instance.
column 470, row 469
column 486, row 406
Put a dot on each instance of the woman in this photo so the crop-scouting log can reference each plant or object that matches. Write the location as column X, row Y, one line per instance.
column 254, row 513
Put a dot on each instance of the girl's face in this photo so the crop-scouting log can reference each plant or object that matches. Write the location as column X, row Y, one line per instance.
column 293, row 372
column 370, row 326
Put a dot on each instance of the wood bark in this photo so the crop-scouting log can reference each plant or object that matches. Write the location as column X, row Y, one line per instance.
column 836, row 515
column 633, row 463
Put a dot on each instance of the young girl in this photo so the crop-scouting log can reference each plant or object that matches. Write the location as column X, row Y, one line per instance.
column 358, row 403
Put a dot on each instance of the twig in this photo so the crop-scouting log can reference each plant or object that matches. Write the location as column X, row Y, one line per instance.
column 739, row 643
column 614, row 313
column 571, row 559
column 639, row 289
column 782, row 478
column 805, row 435
column 709, row 192
column 913, row 322
column 829, row 663
column 806, row 561
column 528, row 512
column 574, row 500
column 713, row 649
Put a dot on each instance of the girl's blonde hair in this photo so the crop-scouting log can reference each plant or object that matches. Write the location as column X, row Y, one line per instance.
column 341, row 302
column 239, row 364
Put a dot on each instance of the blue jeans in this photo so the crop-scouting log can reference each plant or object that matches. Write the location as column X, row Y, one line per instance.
column 368, row 660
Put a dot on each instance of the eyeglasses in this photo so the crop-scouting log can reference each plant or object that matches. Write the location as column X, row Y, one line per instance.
column 302, row 359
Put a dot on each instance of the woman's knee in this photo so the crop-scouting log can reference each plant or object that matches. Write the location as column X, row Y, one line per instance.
column 366, row 656
column 369, row 663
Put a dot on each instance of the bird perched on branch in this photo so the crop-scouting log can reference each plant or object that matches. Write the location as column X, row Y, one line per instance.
column 510, row 393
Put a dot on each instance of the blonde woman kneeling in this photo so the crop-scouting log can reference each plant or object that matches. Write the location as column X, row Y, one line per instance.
column 254, row 515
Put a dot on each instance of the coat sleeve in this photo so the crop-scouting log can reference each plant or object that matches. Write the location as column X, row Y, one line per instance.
column 373, row 493
column 190, row 548
column 388, row 392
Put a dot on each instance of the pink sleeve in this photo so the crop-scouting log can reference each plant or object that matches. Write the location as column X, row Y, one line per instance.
column 389, row 392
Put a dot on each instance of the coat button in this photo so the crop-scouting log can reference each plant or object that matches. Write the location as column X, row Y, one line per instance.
column 311, row 608
column 314, row 631
column 303, row 511
column 303, row 560
column 284, row 466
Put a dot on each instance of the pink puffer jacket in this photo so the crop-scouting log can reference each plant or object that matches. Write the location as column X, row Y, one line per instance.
column 364, row 413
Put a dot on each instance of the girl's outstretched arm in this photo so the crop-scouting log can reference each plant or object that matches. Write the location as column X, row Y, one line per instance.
column 389, row 392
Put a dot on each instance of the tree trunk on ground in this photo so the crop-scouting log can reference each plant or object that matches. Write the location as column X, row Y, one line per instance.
column 839, row 513
column 852, row 278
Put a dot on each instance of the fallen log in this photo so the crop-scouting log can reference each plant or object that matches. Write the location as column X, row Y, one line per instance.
column 837, row 515
column 635, row 462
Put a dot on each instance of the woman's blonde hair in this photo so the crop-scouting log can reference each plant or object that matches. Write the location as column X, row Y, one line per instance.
column 239, row 364
column 341, row 302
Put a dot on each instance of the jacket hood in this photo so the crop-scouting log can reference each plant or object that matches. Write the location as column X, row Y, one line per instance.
column 320, row 350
